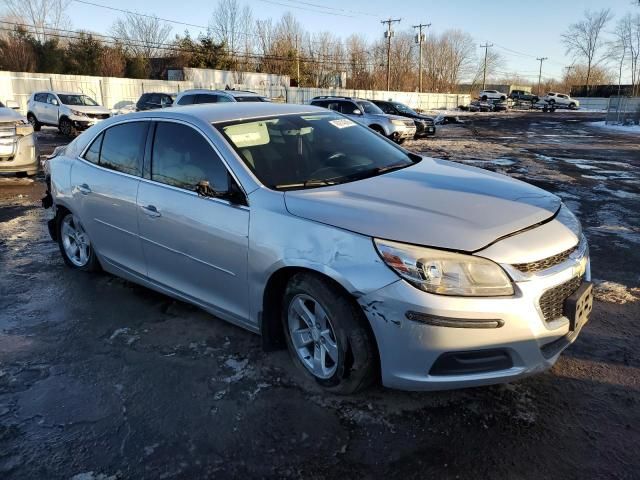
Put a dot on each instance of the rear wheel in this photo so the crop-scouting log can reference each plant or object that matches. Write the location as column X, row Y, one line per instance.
column 484, row 98
column 326, row 335
column 75, row 245
column 34, row 122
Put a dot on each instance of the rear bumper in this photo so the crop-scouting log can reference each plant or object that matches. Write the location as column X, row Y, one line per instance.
column 495, row 340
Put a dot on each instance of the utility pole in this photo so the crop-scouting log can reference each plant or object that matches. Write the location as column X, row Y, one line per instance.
column 566, row 76
column 389, row 34
column 541, row 59
column 419, row 40
column 486, row 47
column 297, row 61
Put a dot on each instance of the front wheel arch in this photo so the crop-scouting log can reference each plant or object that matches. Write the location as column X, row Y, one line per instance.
column 271, row 327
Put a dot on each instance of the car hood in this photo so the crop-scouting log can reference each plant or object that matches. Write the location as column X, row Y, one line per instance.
column 384, row 116
column 433, row 203
column 89, row 109
column 9, row 115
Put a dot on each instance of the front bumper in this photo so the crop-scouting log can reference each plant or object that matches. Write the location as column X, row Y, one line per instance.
column 413, row 352
column 19, row 155
column 398, row 132
column 83, row 123
column 425, row 130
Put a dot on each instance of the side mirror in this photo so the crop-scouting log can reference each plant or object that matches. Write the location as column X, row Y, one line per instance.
column 55, row 102
column 233, row 194
column 13, row 105
column 357, row 112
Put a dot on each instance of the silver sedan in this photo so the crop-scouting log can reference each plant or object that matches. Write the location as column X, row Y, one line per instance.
column 367, row 261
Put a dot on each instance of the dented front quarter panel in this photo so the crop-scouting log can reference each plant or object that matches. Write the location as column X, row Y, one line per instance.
column 279, row 240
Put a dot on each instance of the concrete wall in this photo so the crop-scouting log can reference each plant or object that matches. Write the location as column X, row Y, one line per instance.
column 120, row 92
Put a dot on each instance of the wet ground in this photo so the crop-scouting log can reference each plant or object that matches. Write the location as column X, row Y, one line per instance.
column 102, row 379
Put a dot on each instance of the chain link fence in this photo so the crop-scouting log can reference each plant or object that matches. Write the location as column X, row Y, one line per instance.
column 623, row 111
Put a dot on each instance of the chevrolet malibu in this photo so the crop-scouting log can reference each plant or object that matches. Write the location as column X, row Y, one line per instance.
column 367, row 261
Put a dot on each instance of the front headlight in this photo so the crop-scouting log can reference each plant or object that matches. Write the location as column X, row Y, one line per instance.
column 398, row 123
column 445, row 273
column 78, row 114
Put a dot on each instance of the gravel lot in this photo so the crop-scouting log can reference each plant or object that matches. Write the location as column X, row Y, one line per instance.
column 102, row 379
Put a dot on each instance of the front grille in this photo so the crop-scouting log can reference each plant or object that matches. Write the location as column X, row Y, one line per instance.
column 409, row 123
column 552, row 301
column 545, row 263
column 7, row 141
column 100, row 116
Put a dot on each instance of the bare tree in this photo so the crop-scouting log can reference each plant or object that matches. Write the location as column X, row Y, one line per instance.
column 627, row 45
column 142, row 36
column 43, row 16
column 584, row 39
column 231, row 24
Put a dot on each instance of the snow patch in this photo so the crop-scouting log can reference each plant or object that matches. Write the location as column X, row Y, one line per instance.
column 612, row 292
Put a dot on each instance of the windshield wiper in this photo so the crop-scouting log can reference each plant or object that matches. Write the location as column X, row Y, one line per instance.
column 313, row 182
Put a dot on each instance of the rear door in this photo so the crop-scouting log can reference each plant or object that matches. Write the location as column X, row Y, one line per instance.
column 195, row 245
column 50, row 110
column 105, row 186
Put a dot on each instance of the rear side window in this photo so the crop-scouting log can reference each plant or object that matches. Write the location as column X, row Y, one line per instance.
column 207, row 99
column 123, row 147
column 186, row 100
column 40, row 97
column 93, row 153
column 182, row 158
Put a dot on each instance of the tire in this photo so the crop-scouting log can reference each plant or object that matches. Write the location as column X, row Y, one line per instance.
column 572, row 106
column 377, row 129
column 34, row 122
column 484, row 98
column 552, row 101
column 70, row 232
column 66, row 127
column 503, row 98
column 400, row 141
column 353, row 364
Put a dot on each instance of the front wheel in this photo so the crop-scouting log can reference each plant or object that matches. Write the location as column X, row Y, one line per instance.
column 34, row 122
column 484, row 98
column 326, row 335
column 75, row 246
column 67, row 128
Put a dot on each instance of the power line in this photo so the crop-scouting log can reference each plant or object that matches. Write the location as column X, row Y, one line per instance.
column 307, row 9
column 355, row 12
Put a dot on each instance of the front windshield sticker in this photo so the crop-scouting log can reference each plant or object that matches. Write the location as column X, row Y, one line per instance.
column 342, row 123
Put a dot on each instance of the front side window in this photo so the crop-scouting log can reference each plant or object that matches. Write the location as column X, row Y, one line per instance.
column 78, row 100
column 312, row 150
column 183, row 158
column 369, row 107
column 123, row 147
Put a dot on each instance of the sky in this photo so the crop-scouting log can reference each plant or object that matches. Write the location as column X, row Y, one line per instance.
column 520, row 31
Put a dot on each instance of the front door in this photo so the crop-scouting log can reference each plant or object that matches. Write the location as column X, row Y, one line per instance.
column 105, row 187
column 195, row 245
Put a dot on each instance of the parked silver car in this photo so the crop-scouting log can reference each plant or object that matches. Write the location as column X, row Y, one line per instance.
column 70, row 112
column 18, row 147
column 200, row 95
column 395, row 127
column 300, row 224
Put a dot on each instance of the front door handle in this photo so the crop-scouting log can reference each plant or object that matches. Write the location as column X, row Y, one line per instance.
column 151, row 210
column 84, row 189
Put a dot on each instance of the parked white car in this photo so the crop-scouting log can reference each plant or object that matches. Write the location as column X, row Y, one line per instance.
column 70, row 112
column 492, row 95
column 18, row 149
column 561, row 100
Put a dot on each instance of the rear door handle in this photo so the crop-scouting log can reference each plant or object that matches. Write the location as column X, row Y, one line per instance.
column 84, row 189
column 151, row 210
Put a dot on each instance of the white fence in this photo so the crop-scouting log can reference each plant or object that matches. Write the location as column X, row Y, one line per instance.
column 117, row 93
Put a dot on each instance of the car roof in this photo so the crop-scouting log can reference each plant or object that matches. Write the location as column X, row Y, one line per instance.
column 233, row 93
column 226, row 112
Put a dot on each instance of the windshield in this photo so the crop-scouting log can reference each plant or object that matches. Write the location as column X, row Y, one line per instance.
column 404, row 109
column 313, row 150
column 369, row 107
column 78, row 100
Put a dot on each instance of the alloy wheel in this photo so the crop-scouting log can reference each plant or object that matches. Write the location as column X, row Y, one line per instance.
column 313, row 336
column 75, row 241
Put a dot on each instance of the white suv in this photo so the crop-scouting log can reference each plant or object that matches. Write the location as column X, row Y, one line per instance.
column 561, row 100
column 492, row 95
column 70, row 112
